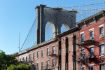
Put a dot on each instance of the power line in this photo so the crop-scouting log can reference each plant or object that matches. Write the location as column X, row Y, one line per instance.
column 96, row 9
column 85, row 5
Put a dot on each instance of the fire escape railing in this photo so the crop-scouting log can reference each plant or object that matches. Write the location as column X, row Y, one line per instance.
column 52, row 54
column 91, row 57
column 88, row 43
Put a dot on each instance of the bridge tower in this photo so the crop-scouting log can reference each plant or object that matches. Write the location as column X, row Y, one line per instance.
column 55, row 16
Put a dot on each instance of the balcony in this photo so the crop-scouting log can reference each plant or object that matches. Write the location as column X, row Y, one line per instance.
column 52, row 54
column 102, row 57
column 83, row 59
column 93, row 58
column 88, row 43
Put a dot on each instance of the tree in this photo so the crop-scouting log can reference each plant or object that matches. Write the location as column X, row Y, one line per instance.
column 19, row 67
column 9, row 62
column 3, row 63
column 6, row 60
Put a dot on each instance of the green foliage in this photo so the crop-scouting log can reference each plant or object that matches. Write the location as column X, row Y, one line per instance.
column 24, row 66
column 6, row 60
column 11, row 67
column 19, row 67
column 3, row 62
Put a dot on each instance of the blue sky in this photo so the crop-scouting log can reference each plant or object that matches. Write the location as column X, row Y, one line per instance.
column 18, row 16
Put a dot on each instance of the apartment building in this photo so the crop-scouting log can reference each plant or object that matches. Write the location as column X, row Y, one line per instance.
column 91, row 46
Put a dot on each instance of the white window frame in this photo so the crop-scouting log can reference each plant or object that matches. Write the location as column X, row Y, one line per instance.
column 101, row 35
column 91, row 52
column 54, row 50
column 48, row 51
column 91, row 30
column 81, row 37
column 82, row 66
column 91, row 65
column 100, row 66
column 102, row 54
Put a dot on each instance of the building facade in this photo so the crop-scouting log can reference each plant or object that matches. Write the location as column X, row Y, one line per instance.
column 80, row 48
column 91, row 45
column 52, row 55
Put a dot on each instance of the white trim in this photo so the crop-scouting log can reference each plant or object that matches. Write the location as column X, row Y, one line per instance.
column 92, row 29
column 102, row 25
column 92, row 46
column 91, row 64
column 101, row 43
column 81, row 32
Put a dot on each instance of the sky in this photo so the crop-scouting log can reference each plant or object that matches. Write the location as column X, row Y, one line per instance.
column 17, row 16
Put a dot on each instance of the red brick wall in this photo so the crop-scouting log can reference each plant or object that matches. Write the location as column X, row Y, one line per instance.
column 97, row 38
column 46, row 58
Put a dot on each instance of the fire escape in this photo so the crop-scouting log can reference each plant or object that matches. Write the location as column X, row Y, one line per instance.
column 52, row 66
column 85, row 58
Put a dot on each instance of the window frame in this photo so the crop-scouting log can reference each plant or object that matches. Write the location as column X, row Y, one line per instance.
column 91, row 34
column 82, row 66
column 91, row 65
column 82, row 36
column 91, row 52
column 37, row 66
column 48, row 51
column 53, row 50
column 53, row 62
column 42, row 65
column 101, row 67
column 37, row 54
column 102, row 45
column 42, row 53
column 101, row 34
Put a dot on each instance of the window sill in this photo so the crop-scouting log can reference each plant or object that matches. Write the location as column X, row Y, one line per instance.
column 101, row 36
column 101, row 55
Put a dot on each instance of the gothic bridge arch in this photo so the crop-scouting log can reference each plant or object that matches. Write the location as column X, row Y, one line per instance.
column 55, row 16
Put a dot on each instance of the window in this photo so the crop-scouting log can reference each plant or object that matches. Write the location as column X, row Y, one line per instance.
column 23, row 59
column 91, row 35
column 48, row 52
column 82, row 37
column 82, row 53
column 26, row 59
column 54, row 50
column 91, row 67
column 37, row 66
column 29, row 57
column 102, row 49
column 101, row 66
column 20, row 59
column 37, row 54
column 101, row 31
column 82, row 67
column 53, row 63
column 42, row 65
column 91, row 52
column 33, row 55
column 42, row 53
column 48, row 64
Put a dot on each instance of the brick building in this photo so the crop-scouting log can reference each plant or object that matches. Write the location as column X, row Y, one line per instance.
column 55, row 54
column 80, row 48
column 91, row 45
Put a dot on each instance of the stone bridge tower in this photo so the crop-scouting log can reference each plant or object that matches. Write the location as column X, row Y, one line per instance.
column 56, row 16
